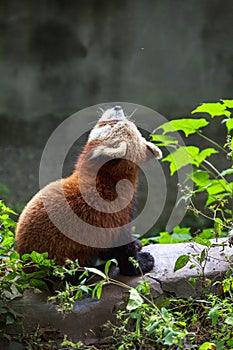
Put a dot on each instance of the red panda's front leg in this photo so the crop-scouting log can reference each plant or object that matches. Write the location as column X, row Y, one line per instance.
column 122, row 255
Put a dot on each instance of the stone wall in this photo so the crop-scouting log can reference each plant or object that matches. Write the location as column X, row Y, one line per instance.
column 58, row 57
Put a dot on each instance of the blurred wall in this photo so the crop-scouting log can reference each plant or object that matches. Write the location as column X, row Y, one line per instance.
column 57, row 57
column 60, row 56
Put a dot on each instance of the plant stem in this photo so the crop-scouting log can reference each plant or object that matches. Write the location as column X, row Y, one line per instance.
column 211, row 141
column 217, row 172
column 204, row 215
column 207, row 170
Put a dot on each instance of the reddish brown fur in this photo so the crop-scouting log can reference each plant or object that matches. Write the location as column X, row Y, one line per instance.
column 104, row 234
column 35, row 231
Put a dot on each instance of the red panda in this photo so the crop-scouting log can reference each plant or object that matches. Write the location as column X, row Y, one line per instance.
column 114, row 151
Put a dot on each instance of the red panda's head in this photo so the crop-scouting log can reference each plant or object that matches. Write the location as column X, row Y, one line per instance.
column 108, row 166
column 115, row 136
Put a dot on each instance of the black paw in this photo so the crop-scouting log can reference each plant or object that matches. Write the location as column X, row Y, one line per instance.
column 146, row 261
column 138, row 245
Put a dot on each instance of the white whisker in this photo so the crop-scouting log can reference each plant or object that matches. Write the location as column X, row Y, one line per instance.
column 132, row 113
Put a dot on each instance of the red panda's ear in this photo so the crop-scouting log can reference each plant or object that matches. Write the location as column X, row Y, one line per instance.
column 154, row 149
column 110, row 152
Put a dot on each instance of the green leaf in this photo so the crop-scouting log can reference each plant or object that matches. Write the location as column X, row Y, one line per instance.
column 207, row 233
column 218, row 186
column 217, row 189
column 180, row 237
column 213, row 314
column 187, row 125
column 181, row 262
column 164, row 140
column 228, row 103
column 9, row 320
column 181, row 157
column 181, row 230
column 14, row 313
column 214, row 109
column 187, row 155
column 153, row 327
column 203, row 256
column 202, row 241
column 96, row 271
column 164, row 238
column 35, row 275
column 38, row 284
column 8, row 242
column 107, row 265
column 135, row 300
column 37, row 257
column 3, row 310
column 165, row 313
column 14, row 256
column 25, row 257
column 207, row 346
column 4, row 208
column 229, row 320
column 227, row 172
column 10, row 276
column 4, row 217
column 229, row 124
column 230, row 343
column 204, row 154
column 200, row 178
column 98, row 290
column 218, row 226
column 171, row 337
column 181, row 234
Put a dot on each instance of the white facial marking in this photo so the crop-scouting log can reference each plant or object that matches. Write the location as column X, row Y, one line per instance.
column 115, row 113
column 100, row 133
column 112, row 152
column 111, row 136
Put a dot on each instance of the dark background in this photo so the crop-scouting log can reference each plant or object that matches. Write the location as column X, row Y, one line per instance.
column 57, row 57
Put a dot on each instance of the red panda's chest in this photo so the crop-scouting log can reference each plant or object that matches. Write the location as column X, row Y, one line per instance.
column 99, row 218
column 91, row 202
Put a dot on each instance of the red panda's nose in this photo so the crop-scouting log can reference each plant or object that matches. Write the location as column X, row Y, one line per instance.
column 117, row 108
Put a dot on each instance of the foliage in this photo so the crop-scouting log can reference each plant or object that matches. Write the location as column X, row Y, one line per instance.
column 13, row 279
column 43, row 338
column 175, row 323
column 179, row 234
column 207, row 178
column 87, row 284
column 147, row 325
